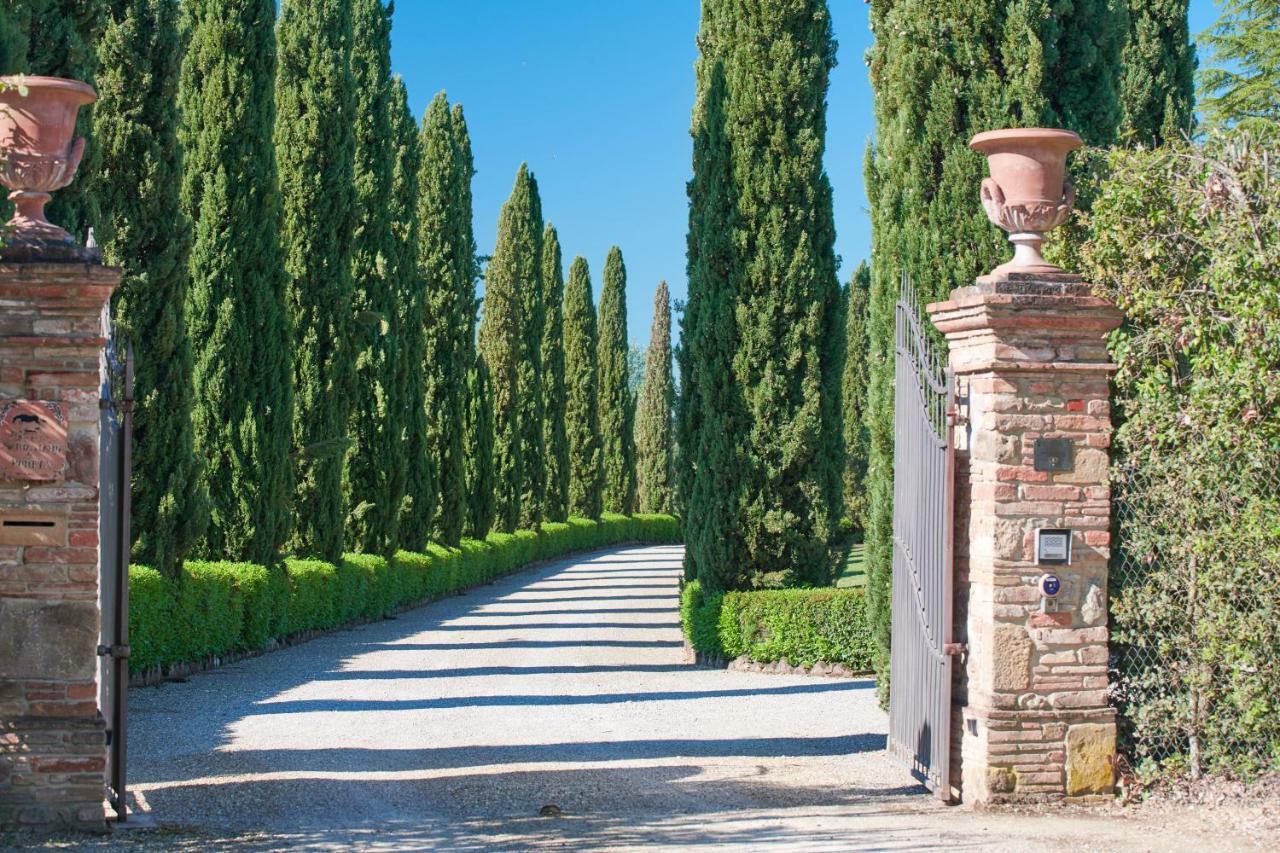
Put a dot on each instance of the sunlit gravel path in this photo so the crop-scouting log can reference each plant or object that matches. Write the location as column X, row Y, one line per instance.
column 562, row 689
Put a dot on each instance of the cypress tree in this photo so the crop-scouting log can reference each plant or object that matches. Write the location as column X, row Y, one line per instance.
column 940, row 75
column 446, row 263
column 711, row 413
column 1157, row 83
column 581, row 398
column 147, row 233
column 62, row 41
column 655, row 469
column 482, row 507
column 513, row 269
column 315, row 146
column 13, row 41
column 617, row 406
column 532, row 405
column 376, row 474
column 410, row 328
column 854, row 394
column 241, row 383
column 553, row 430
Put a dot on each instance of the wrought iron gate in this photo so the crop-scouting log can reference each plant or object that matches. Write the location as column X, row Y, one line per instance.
column 923, row 479
column 114, row 476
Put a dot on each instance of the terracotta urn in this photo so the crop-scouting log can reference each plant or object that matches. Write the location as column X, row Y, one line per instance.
column 1027, row 194
column 38, row 155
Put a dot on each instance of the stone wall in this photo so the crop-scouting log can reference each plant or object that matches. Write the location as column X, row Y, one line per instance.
column 52, row 744
column 1032, row 719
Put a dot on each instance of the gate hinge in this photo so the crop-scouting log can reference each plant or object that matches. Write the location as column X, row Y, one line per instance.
column 117, row 652
column 956, row 417
column 954, row 649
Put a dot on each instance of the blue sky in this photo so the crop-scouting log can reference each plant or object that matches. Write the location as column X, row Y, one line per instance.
column 596, row 96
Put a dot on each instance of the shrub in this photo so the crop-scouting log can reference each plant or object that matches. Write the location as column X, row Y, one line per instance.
column 801, row 626
column 215, row 608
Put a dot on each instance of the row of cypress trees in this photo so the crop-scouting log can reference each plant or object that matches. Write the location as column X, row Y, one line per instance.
column 300, row 288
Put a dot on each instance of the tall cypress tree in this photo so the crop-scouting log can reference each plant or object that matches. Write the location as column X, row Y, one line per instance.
column 711, row 414
column 1024, row 63
column 315, row 145
column 581, row 393
column 148, row 234
column 1157, row 83
column 655, row 450
column 553, row 429
column 854, row 396
column 62, row 41
column 410, row 328
column 241, row 383
column 376, row 465
column 435, row 268
column 513, row 269
column 617, row 406
column 533, row 318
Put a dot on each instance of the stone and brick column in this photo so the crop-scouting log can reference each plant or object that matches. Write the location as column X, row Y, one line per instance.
column 1032, row 720
column 52, row 744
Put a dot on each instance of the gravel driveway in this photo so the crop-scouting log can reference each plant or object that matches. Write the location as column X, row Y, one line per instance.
column 562, row 690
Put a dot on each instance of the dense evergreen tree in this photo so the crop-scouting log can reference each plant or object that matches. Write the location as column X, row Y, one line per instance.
column 60, row 39
column 762, row 241
column 553, row 430
column 1157, row 82
column 446, row 269
column 1242, row 82
column 854, row 395
column 13, row 41
column 655, row 459
column 710, row 413
column 477, row 435
column 315, row 146
column 144, row 230
column 941, row 75
column 514, row 268
column 527, row 264
column 241, row 385
column 617, row 405
column 376, row 466
column 581, row 385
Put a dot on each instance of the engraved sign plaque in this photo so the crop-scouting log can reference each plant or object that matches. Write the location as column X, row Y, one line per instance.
column 33, row 440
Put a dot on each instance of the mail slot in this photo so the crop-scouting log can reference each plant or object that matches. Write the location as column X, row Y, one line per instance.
column 33, row 528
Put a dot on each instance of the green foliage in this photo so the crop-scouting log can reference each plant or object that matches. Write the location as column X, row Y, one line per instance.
column 532, row 405
column 617, row 406
column 514, row 268
column 762, row 245
column 482, row 506
column 854, row 390
column 802, row 627
column 315, row 147
column 60, row 39
column 581, row 376
column 241, row 384
column 1186, row 240
column 940, row 75
column 376, row 465
column 144, row 230
column 410, row 323
column 554, row 438
column 655, row 451
column 1242, row 82
column 1157, row 79
column 215, row 609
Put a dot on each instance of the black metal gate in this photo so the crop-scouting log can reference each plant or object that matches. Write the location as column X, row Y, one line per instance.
column 924, row 475
column 114, row 476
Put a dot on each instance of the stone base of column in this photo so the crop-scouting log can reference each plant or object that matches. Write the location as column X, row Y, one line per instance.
column 51, row 773
column 1032, row 718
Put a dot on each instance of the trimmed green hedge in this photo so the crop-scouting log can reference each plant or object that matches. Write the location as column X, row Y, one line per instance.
column 221, row 608
column 802, row 626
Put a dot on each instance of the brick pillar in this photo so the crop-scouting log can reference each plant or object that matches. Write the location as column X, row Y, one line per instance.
column 52, row 745
column 1032, row 717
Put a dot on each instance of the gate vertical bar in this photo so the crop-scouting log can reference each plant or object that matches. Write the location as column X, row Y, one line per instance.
column 120, row 650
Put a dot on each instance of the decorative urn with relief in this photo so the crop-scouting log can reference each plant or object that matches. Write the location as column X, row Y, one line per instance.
column 1027, row 194
column 39, row 155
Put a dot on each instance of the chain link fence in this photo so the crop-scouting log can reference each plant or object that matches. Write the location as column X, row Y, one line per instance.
column 1195, row 615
